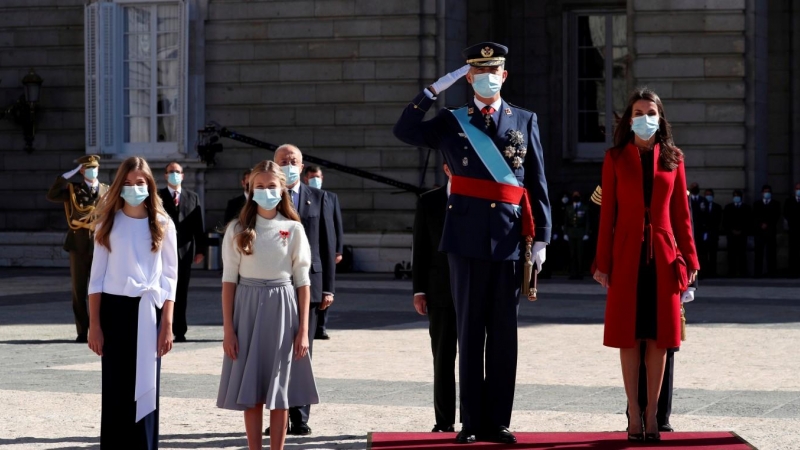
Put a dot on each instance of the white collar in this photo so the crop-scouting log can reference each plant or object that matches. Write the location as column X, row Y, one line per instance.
column 92, row 184
column 496, row 105
column 576, row 204
column 296, row 188
column 766, row 202
column 448, row 188
column 172, row 191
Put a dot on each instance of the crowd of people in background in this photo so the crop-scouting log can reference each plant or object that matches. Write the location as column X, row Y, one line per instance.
column 722, row 229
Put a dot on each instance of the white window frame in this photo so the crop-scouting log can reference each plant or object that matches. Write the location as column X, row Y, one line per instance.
column 572, row 149
column 104, row 41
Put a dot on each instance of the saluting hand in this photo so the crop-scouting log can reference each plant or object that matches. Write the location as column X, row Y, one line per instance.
column 448, row 80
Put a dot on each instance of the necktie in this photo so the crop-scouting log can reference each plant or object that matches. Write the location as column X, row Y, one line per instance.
column 487, row 115
column 177, row 198
column 294, row 198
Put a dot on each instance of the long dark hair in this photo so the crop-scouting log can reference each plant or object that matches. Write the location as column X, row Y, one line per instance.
column 671, row 155
column 113, row 202
column 247, row 218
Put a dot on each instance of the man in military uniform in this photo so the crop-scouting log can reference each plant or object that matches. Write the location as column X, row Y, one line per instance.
column 79, row 199
column 576, row 227
column 497, row 189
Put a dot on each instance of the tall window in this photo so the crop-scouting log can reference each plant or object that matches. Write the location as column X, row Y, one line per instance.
column 136, row 77
column 596, row 68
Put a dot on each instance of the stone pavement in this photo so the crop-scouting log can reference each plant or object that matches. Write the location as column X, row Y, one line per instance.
column 737, row 371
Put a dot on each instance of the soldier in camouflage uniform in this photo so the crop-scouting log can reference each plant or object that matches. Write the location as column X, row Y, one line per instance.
column 79, row 199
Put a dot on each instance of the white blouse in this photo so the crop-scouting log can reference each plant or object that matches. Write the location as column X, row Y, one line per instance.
column 280, row 251
column 132, row 269
column 131, row 258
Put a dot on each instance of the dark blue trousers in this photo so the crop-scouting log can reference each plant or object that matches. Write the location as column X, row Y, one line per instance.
column 486, row 296
column 118, row 429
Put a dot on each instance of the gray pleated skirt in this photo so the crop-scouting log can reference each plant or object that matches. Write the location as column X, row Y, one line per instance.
column 265, row 318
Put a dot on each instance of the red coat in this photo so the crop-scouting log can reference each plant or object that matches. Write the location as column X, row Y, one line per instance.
column 619, row 244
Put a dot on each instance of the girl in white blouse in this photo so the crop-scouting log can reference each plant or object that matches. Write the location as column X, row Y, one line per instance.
column 266, row 258
column 134, row 275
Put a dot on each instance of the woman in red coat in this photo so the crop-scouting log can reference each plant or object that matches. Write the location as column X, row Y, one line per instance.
column 645, row 225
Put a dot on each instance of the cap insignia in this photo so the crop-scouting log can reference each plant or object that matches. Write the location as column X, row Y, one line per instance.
column 487, row 52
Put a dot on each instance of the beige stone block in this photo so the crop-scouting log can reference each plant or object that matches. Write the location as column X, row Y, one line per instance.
column 725, row 112
column 709, row 89
column 668, row 67
column 724, row 67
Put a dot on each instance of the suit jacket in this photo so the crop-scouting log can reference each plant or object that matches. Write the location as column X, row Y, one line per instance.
column 791, row 212
column 79, row 240
column 337, row 221
column 577, row 219
column 713, row 220
column 769, row 214
column 234, row 207
column 316, row 215
column 478, row 228
column 430, row 271
column 737, row 220
column 188, row 219
column 619, row 244
column 698, row 210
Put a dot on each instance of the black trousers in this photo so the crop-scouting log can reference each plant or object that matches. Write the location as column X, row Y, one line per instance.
column 486, row 297
column 709, row 257
column 300, row 414
column 179, row 326
column 444, row 339
column 80, row 268
column 794, row 253
column 766, row 243
column 737, row 255
column 576, row 245
column 118, row 429
column 322, row 320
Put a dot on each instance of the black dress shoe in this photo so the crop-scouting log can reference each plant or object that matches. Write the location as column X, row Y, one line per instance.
column 465, row 436
column 443, row 429
column 180, row 338
column 81, row 339
column 667, row 428
column 299, row 429
column 266, row 430
column 500, row 435
column 323, row 335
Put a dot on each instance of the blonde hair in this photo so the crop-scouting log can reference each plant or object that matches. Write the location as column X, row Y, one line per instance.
column 247, row 218
column 112, row 202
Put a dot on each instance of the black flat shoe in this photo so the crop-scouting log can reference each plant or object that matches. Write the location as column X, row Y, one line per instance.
column 465, row 436
column 266, row 430
column 81, row 339
column 500, row 435
column 180, row 338
column 666, row 428
column 299, row 429
column 322, row 335
column 443, row 429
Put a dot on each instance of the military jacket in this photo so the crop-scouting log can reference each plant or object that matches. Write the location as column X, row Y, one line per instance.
column 79, row 201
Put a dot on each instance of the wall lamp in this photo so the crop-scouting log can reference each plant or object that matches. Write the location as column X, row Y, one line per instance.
column 23, row 111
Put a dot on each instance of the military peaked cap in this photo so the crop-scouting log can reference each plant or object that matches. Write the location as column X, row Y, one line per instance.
column 485, row 54
column 89, row 160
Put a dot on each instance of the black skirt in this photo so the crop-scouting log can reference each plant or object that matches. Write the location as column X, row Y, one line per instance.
column 646, row 298
column 119, row 317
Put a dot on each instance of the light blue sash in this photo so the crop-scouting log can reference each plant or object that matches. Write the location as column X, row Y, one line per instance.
column 487, row 151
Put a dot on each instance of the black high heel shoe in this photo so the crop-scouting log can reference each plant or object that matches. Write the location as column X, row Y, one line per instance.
column 636, row 437
column 654, row 437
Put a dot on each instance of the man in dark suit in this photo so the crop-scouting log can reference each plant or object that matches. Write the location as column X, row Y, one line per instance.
column 430, row 274
column 79, row 199
column 498, row 188
column 313, row 176
column 576, row 231
column 183, row 206
column 737, row 224
column 713, row 223
column 766, row 214
column 236, row 204
column 316, row 215
column 791, row 212
column 698, row 206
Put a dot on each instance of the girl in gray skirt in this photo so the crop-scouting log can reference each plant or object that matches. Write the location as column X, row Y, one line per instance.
column 266, row 258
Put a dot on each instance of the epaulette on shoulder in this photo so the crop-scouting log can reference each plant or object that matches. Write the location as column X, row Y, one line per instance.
column 520, row 108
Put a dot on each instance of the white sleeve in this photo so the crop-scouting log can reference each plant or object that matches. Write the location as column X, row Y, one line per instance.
column 301, row 257
column 230, row 255
column 99, row 264
column 169, row 262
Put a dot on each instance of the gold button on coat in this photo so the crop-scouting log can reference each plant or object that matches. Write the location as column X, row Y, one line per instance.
column 493, row 205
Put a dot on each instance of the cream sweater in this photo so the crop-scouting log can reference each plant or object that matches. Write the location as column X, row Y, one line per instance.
column 280, row 251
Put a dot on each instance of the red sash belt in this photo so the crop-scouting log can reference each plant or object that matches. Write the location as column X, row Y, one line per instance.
column 498, row 192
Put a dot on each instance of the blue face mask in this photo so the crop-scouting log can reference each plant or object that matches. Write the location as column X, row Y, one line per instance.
column 737, row 199
column 767, row 195
column 797, row 192
column 292, row 174
column 710, row 198
column 267, row 198
column 90, row 173
column 175, row 179
column 645, row 126
column 487, row 84
column 315, row 182
column 134, row 195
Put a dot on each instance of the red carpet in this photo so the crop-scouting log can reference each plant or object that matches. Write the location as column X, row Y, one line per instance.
column 595, row 441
